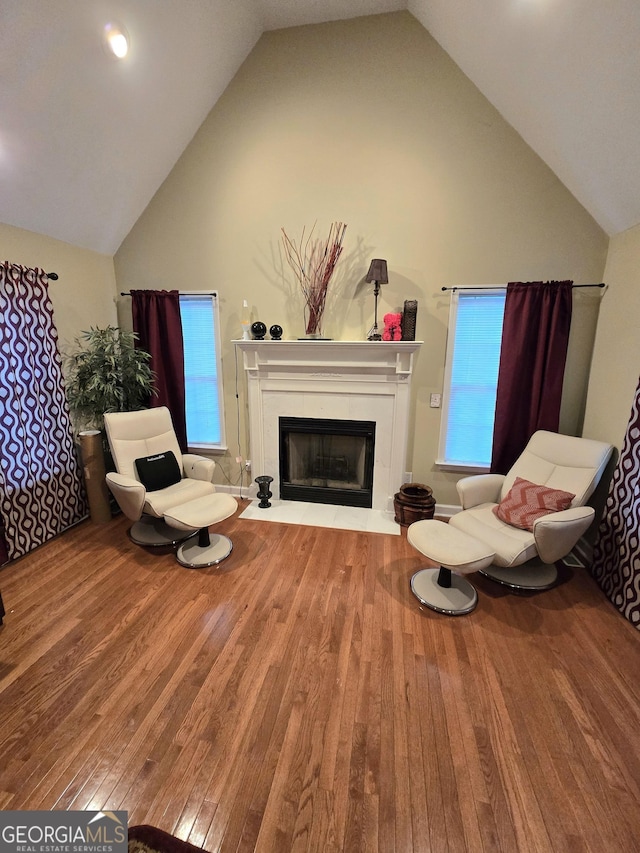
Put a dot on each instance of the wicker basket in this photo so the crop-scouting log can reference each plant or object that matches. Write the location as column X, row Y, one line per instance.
column 414, row 502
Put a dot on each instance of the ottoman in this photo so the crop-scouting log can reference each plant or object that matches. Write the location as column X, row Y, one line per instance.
column 196, row 515
column 457, row 553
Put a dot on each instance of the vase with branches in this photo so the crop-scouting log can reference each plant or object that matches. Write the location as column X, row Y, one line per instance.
column 313, row 262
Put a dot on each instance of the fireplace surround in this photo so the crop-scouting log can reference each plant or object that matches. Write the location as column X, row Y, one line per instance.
column 326, row 460
column 367, row 381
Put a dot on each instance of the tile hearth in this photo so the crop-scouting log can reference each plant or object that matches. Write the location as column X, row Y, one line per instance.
column 324, row 515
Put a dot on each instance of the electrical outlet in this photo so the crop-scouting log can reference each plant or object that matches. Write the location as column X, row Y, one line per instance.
column 435, row 401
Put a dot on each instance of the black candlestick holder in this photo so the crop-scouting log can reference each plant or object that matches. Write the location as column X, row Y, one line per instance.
column 263, row 491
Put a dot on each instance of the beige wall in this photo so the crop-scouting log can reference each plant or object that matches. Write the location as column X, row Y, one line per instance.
column 369, row 122
column 84, row 294
column 616, row 355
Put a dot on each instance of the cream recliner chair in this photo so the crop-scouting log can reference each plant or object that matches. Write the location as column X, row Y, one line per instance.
column 524, row 558
column 179, row 498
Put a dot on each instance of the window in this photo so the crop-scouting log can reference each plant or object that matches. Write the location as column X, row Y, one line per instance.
column 202, row 370
column 471, row 378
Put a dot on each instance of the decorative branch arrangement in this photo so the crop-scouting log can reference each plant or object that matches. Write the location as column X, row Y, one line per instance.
column 313, row 262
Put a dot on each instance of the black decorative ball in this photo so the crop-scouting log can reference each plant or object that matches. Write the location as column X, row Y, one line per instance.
column 275, row 332
column 258, row 330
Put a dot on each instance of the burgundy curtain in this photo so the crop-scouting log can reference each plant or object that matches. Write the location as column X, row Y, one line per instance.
column 156, row 321
column 616, row 556
column 535, row 336
column 41, row 487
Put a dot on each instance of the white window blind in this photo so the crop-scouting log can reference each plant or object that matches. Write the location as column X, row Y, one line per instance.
column 202, row 370
column 471, row 377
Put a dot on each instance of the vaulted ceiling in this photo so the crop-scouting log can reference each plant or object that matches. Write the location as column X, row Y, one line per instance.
column 86, row 140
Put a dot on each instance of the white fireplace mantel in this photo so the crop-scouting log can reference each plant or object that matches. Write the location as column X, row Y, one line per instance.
column 350, row 380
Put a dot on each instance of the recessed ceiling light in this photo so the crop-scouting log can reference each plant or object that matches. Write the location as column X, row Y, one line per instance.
column 116, row 40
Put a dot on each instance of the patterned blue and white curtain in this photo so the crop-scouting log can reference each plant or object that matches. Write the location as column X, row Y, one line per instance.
column 616, row 557
column 41, row 489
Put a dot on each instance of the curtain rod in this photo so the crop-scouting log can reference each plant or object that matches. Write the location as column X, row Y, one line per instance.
column 504, row 287
column 181, row 292
column 51, row 275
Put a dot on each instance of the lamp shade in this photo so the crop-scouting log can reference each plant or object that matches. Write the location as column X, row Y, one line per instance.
column 378, row 271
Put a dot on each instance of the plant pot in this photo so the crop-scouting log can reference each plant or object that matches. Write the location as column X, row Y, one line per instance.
column 93, row 465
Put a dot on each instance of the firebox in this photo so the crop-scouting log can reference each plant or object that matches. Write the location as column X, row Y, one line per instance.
column 327, row 461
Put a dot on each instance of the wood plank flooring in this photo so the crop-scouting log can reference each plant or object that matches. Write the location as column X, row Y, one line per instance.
column 298, row 698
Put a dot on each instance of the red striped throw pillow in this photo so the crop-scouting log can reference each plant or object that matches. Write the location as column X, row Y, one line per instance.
column 525, row 502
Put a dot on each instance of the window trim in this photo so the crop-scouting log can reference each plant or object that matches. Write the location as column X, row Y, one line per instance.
column 220, row 447
column 441, row 461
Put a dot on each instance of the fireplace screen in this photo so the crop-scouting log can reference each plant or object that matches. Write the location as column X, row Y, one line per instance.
column 327, row 461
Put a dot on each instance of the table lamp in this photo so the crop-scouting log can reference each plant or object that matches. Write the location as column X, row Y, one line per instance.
column 378, row 275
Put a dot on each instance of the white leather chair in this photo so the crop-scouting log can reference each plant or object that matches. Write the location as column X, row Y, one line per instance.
column 524, row 559
column 173, row 513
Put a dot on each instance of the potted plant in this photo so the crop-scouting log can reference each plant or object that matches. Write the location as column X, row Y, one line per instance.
column 104, row 373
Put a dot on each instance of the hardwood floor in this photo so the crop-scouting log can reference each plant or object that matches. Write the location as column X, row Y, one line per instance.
column 299, row 698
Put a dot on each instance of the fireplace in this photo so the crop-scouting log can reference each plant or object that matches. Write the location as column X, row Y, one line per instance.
column 324, row 460
column 341, row 380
